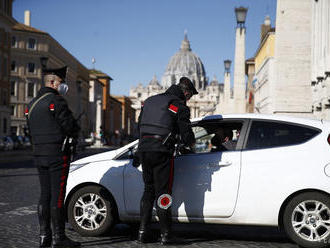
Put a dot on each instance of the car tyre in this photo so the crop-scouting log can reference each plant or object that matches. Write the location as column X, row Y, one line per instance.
column 92, row 211
column 306, row 220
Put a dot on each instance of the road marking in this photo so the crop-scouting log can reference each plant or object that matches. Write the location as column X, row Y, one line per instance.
column 23, row 211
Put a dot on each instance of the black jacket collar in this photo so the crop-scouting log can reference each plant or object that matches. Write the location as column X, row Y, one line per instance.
column 45, row 90
column 176, row 90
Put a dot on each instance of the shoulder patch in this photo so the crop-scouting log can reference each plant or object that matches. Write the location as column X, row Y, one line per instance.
column 51, row 107
column 173, row 108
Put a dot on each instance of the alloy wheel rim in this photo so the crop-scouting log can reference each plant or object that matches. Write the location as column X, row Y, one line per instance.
column 90, row 211
column 311, row 220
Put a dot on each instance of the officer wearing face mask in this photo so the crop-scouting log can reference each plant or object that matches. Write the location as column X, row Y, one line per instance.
column 50, row 121
column 162, row 117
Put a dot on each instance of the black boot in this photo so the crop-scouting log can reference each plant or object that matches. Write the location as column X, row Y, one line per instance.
column 60, row 240
column 45, row 238
column 166, row 238
column 45, row 241
column 165, row 219
column 144, row 234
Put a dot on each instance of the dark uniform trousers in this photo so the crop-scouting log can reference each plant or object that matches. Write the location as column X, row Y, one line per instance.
column 158, row 178
column 53, row 172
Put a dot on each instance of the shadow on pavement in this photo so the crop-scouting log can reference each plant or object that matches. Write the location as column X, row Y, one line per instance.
column 188, row 234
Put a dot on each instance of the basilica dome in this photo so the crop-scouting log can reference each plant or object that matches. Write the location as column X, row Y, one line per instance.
column 185, row 64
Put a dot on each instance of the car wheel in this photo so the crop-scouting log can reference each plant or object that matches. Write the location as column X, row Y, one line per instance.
column 92, row 211
column 306, row 220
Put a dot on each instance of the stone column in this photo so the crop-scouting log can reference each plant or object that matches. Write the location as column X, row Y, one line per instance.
column 227, row 108
column 239, row 70
column 98, row 122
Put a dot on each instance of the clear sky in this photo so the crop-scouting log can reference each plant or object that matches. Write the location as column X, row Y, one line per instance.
column 133, row 40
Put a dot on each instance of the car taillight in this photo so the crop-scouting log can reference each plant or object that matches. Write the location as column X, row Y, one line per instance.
column 329, row 139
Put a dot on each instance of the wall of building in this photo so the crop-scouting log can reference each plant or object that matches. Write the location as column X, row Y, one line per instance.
column 6, row 23
column 292, row 93
column 266, row 50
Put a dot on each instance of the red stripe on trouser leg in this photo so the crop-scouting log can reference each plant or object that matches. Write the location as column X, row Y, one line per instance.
column 170, row 180
column 62, row 184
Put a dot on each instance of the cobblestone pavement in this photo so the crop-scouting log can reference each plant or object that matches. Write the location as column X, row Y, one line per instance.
column 19, row 189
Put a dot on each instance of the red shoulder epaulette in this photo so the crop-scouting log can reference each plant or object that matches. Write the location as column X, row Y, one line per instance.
column 51, row 107
column 173, row 108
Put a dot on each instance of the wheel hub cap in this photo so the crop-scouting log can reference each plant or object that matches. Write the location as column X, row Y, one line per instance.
column 90, row 211
column 311, row 220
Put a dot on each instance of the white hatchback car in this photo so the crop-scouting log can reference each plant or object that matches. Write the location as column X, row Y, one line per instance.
column 277, row 173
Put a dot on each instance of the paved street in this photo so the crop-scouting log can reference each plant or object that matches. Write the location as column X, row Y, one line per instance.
column 19, row 189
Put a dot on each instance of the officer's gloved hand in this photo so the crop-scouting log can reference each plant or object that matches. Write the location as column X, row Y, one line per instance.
column 184, row 149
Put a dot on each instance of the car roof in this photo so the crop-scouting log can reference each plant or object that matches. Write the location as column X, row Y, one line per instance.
column 274, row 117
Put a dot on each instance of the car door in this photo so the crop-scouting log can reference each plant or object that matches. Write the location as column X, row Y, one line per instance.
column 274, row 158
column 206, row 183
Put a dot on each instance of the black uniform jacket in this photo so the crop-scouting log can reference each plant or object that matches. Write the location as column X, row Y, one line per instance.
column 176, row 120
column 49, row 121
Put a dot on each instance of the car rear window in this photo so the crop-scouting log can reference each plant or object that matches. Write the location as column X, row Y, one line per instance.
column 266, row 134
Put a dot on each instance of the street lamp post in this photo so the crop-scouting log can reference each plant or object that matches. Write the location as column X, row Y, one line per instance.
column 43, row 62
column 239, row 69
column 241, row 16
column 227, row 64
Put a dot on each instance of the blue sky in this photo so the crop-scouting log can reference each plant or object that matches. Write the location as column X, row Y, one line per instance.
column 133, row 40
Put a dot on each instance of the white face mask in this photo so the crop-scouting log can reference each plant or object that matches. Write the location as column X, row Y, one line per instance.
column 63, row 89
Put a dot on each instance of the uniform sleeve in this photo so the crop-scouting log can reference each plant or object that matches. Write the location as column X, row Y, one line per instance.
column 139, row 119
column 184, row 125
column 64, row 117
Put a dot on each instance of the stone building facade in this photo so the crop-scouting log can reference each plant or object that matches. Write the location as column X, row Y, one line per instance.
column 283, row 62
column 6, row 23
column 27, row 47
column 128, row 115
column 320, row 61
column 95, row 107
column 107, row 114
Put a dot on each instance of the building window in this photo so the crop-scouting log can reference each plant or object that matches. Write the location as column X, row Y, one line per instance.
column 13, row 88
column 31, row 68
column 30, row 90
column 32, row 44
column 13, row 110
column 4, row 125
column 5, row 67
column 4, row 97
column 13, row 41
column 139, row 95
column 13, row 66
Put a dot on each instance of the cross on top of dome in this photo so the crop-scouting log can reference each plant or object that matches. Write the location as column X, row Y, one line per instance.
column 185, row 44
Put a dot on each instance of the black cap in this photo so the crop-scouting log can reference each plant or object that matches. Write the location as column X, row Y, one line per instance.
column 60, row 72
column 186, row 82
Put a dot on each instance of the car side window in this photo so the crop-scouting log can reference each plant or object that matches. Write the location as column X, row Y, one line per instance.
column 266, row 134
column 216, row 136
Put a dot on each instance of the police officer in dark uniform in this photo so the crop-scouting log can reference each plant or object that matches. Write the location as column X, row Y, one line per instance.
column 50, row 123
column 162, row 117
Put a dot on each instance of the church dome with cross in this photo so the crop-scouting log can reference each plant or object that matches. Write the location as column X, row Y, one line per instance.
column 185, row 63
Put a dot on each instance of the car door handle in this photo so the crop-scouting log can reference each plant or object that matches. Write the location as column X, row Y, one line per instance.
column 225, row 163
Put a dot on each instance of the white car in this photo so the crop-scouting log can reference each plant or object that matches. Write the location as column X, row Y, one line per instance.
column 277, row 174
